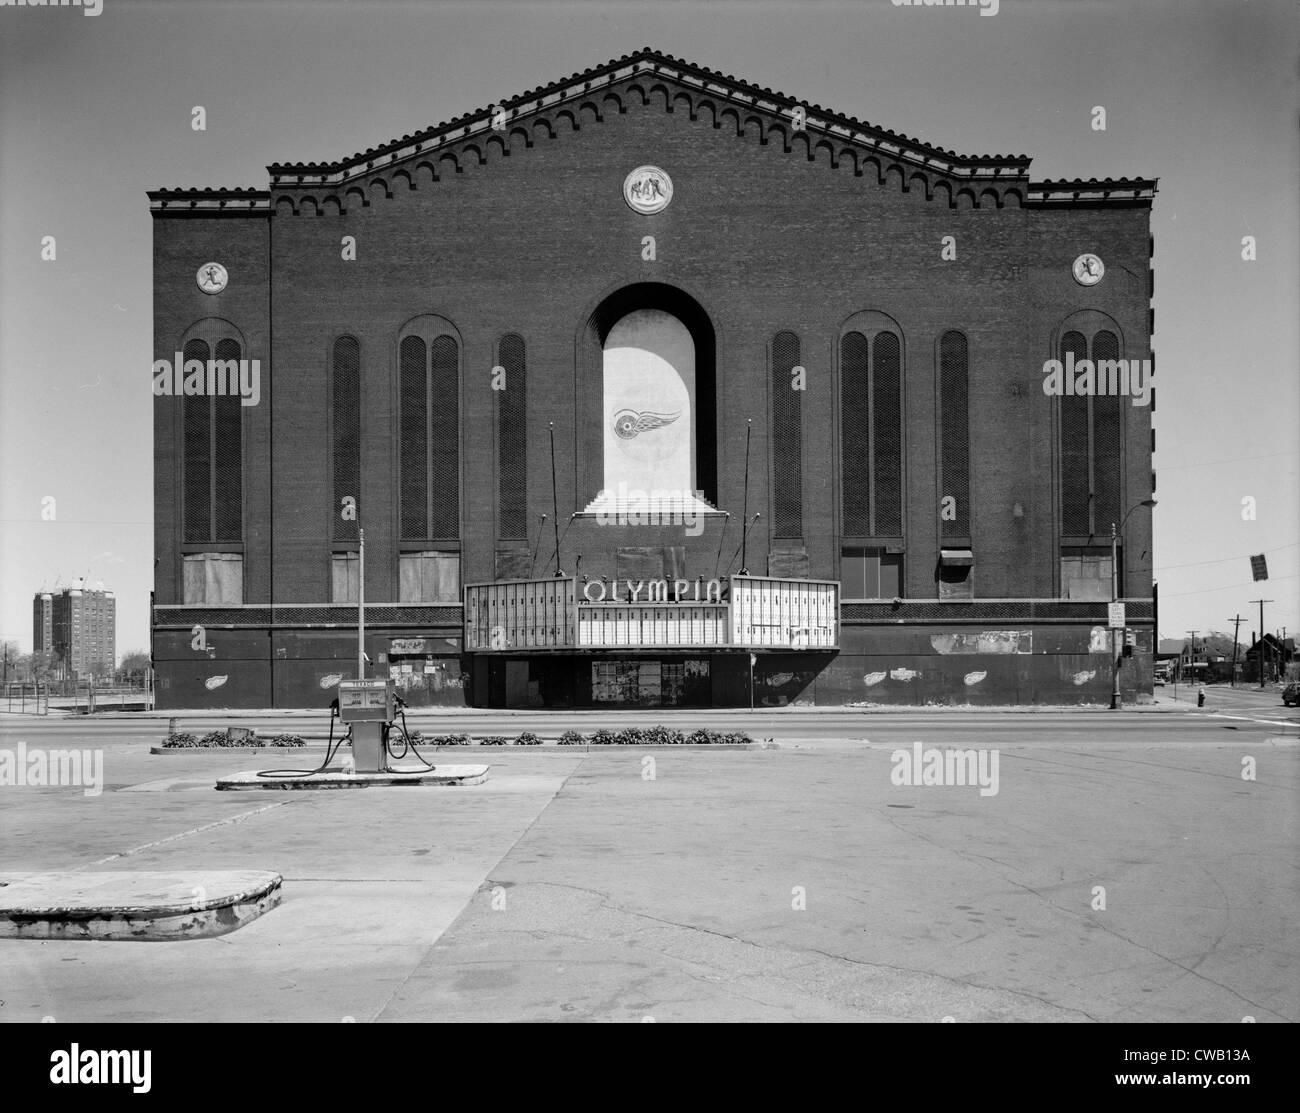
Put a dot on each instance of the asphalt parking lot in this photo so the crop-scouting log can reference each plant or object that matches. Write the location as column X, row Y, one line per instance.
column 1127, row 867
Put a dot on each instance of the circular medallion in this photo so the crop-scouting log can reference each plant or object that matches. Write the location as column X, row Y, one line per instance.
column 1088, row 269
column 648, row 189
column 212, row 278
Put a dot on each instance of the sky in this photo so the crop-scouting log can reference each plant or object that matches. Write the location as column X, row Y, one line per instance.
column 95, row 110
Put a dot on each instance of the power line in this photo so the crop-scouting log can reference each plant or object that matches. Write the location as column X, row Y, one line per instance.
column 1226, row 587
column 1222, row 560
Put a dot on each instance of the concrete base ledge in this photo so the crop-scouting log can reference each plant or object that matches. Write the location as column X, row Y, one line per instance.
column 133, row 905
column 548, row 747
column 335, row 778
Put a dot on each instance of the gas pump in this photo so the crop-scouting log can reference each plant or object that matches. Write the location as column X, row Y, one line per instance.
column 368, row 708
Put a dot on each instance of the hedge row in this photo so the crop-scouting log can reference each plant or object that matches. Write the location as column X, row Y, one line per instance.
column 655, row 736
column 221, row 738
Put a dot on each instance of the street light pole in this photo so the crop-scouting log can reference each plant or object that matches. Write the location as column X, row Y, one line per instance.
column 1114, row 634
column 1114, row 598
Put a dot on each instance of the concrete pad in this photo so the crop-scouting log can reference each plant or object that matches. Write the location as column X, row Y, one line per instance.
column 134, row 905
column 444, row 775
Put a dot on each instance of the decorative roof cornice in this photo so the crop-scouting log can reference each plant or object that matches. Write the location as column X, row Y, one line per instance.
column 698, row 79
column 1077, row 192
column 973, row 177
column 241, row 200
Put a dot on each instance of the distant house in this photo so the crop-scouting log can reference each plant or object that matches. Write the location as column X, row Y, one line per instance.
column 1278, row 654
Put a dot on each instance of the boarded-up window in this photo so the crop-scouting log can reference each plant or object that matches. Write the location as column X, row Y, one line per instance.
column 430, row 577
column 870, row 574
column 345, row 577
column 787, row 438
column 216, row 579
column 1085, row 576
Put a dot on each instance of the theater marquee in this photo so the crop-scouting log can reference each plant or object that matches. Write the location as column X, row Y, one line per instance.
column 742, row 612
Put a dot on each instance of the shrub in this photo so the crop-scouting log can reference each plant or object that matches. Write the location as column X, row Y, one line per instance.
column 572, row 738
column 180, row 740
column 629, row 736
column 445, row 739
column 216, row 738
column 528, row 738
column 662, row 736
column 603, row 736
column 701, row 737
column 285, row 740
column 494, row 740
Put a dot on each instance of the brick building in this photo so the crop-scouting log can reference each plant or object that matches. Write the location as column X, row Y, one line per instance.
column 764, row 337
column 76, row 628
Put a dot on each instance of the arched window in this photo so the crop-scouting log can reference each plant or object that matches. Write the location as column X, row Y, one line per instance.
column 954, row 433
column 1091, row 436
column 346, row 429
column 871, row 437
column 512, row 440
column 429, row 461
column 214, row 450
column 429, row 438
column 787, row 438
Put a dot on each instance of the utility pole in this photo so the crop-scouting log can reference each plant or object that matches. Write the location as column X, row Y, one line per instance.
column 1193, row 634
column 1114, row 634
column 1236, row 622
column 1261, row 603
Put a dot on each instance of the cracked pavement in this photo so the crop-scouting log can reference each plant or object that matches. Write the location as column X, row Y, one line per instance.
column 789, row 884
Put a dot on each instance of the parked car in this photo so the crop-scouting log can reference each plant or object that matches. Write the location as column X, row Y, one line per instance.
column 1291, row 694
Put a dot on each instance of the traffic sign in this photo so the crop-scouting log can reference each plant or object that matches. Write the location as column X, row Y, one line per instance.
column 1259, row 567
column 1115, row 612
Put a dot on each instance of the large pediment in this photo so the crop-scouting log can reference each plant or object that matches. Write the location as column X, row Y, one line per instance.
column 648, row 78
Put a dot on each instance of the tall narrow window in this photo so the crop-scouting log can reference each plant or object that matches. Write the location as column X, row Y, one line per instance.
column 1091, row 438
column 787, row 437
column 228, row 448
column 1107, row 421
column 213, row 451
column 444, row 439
column 197, row 421
column 1076, row 471
column 855, row 435
column 887, row 432
column 954, row 433
column 413, row 447
column 871, row 434
column 512, row 439
column 346, row 424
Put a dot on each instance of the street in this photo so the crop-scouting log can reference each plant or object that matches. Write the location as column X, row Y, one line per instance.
column 1129, row 865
